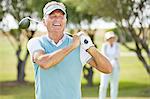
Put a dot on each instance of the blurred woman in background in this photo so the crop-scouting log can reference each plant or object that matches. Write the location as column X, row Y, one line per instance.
column 111, row 50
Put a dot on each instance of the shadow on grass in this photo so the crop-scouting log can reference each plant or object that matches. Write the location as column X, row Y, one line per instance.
column 16, row 90
column 13, row 90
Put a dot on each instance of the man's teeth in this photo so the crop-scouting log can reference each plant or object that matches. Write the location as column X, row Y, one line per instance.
column 56, row 24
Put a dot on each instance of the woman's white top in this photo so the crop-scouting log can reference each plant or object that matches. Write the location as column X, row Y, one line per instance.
column 111, row 52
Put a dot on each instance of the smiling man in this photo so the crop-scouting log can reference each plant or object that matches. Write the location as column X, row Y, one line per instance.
column 58, row 59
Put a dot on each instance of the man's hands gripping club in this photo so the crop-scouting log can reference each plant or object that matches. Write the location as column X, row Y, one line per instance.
column 76, row 41
column 82, row 39
column 85, row 41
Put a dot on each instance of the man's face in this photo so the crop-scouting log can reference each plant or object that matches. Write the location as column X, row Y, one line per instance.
column 55, row 21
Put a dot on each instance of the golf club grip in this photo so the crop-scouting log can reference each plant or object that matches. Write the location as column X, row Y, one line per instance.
column 69, row 35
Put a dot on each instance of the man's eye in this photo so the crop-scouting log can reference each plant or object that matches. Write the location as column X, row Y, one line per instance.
column 54, row 16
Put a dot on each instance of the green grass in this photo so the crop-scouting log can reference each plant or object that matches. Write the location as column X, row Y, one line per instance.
column 25, row 91
column 134, row 81
column 126, row 90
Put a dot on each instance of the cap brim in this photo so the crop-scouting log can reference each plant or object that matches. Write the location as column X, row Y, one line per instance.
column 53, row 8
column 110, row 37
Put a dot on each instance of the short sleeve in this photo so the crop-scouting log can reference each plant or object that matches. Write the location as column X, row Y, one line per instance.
column 84, row 56
column 34, row 45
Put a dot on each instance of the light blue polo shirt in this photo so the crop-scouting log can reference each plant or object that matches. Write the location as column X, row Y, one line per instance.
column 62, row 81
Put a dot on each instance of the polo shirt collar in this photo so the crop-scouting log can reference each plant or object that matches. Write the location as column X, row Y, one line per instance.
column 59, row 42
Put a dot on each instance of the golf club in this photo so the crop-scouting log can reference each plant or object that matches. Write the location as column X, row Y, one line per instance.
column 25, row 22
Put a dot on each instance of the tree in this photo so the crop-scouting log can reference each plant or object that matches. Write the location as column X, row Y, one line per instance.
column 125, row 14
column 17, row 37
column 19, row 9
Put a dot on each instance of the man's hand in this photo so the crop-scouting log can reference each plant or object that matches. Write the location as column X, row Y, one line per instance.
column 76, row 41
column 86, row 41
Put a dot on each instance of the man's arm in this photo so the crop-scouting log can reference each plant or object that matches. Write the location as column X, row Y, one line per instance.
column 98, row 61
column 48, row 60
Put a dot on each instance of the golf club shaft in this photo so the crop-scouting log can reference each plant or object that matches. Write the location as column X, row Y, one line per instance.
column 33, row 20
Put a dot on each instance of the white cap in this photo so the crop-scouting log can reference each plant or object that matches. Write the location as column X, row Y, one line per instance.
column 51, row 6
column 109, row 34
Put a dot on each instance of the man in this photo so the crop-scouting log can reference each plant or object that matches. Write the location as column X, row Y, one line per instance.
column 58, row 58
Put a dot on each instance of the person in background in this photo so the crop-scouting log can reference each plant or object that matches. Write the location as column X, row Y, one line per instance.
column 111, row 50
column 58, row 58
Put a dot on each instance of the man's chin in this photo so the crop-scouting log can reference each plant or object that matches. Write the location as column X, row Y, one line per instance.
column 56, row 30
column 57, row 27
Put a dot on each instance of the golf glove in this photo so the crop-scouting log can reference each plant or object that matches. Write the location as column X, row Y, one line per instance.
column 85, row 41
